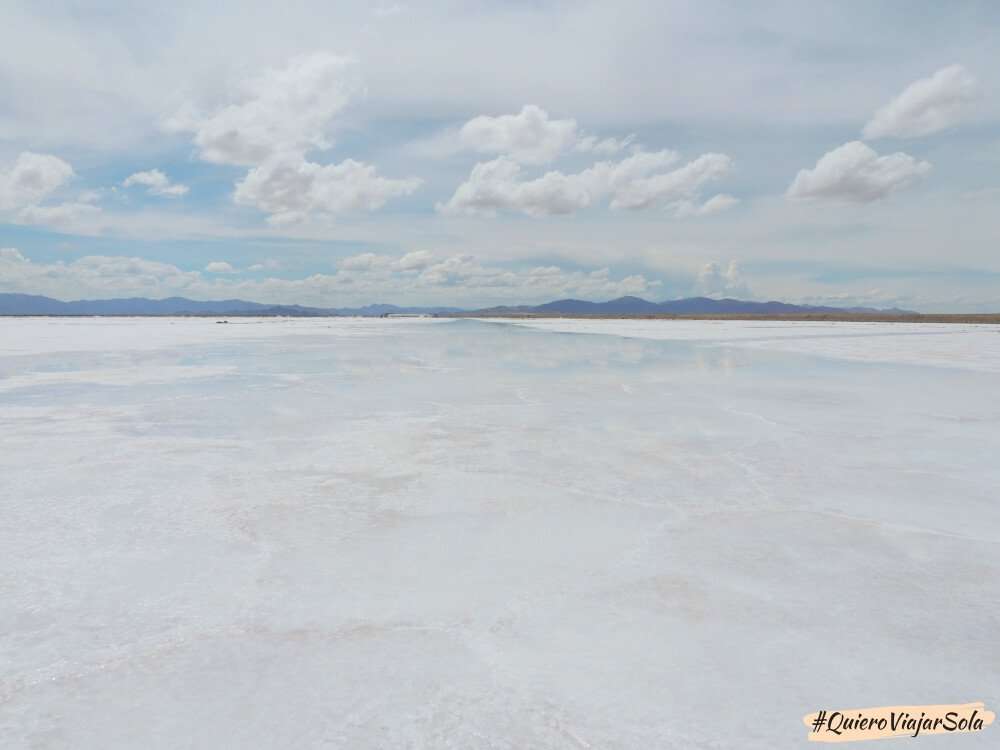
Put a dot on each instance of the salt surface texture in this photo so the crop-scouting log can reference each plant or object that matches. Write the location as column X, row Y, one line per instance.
column 427, row 533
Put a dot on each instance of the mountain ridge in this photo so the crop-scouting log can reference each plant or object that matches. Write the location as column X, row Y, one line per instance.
column 14, row 304
column 630, row 305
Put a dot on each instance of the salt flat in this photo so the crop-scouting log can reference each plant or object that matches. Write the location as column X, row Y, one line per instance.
column 965, row 346
column 476, row 534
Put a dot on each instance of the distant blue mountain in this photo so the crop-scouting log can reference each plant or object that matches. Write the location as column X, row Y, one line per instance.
column 622, row 305
column 687, row 306
column 30, row 304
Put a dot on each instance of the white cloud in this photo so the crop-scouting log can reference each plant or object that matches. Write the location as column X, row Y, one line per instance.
column 62, row 215
column 283, row 111
column 496, row 185
column 268, row 265
column 220, row 266
column 94, row 276
column 684, row 182
column 415, row 261
column 156, row 182
column 714, row 281
column 635, row 182
column 614, row 176
column 285, row 114
column 604, row 146
column 926, row 106
column 714, row 205
column 466, row 278
column 460, row 279
column 290, row 189
column 855, row 173
column 31, row 179
column 466, row 273
column 529, row 137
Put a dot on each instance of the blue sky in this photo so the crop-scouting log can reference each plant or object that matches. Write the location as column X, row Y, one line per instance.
column 482, row 153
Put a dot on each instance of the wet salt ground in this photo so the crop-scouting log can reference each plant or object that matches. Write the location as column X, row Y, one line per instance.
column 424, row 533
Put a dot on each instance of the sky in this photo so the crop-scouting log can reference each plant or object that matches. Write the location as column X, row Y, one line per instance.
column 478, row 153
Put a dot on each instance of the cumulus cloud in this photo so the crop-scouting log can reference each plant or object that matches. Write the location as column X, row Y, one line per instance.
column 93, row 275
column 927, row 106
column 604, row 146
column 715, row 204
column 283, row 115
column 636, row 182
column 369, row 262
column 415, row 261
column 465, row 277
column 418, row 277
column 855, row 173
column 715, row 281
column 288, row 110
column 34, row 178
column 497, row 185
column 529, row 137
column 268, row 265
column 219, row 266
column 684, row 182
column 290, row 188
column 31, row 179
column 542, row 282
column 156, row 183
column 67, row 214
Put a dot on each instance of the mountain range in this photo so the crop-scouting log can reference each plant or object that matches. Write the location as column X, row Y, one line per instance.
column 685, row 306
column 30, row 304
